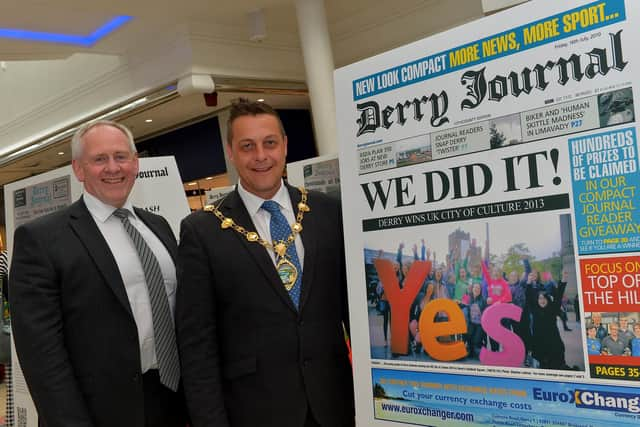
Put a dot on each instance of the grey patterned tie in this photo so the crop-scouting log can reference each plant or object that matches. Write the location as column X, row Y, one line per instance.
column 163, row 329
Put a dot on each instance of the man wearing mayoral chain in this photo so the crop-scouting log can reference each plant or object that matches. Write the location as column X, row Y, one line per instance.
column 262, row 302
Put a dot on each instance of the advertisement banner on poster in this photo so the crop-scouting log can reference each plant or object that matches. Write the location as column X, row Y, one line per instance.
column 417, row 398
column 492, row 225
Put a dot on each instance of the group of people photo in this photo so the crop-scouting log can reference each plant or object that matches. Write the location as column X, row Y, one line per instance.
column 616, row 337
column 469, row 277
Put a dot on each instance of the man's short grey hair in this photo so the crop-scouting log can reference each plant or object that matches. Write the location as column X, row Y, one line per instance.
column 76, row 141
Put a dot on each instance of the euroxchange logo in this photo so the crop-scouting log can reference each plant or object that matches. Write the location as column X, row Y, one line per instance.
column 587, row 399
column 608, row 401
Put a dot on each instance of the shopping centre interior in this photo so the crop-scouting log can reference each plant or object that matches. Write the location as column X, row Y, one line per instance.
column 169, row 70
column 131, row 72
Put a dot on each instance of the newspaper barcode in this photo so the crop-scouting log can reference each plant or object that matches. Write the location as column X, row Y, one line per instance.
column 22, row 417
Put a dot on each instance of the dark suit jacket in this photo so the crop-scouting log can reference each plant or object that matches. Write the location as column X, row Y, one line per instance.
column 248, row 357
column 75, row 335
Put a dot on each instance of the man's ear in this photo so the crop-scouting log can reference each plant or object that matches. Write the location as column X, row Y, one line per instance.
column 136, row 161
column 227, row 147
column 78, row 171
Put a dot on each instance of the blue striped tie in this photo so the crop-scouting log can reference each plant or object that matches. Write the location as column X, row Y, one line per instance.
column 163, row 329
column 280, row 231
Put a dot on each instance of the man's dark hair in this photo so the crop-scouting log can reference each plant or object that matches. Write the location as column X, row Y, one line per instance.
column 244, row 107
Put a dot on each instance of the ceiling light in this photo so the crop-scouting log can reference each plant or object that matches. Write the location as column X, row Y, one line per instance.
column 209, row 177
column 62, row 38
column 148, row 120
column 60, row 153
column 125, row 108
column 261, row 100
column 192, row 183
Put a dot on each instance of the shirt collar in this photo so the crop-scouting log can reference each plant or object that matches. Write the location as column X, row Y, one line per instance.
column 253, row 203
column 102, row 211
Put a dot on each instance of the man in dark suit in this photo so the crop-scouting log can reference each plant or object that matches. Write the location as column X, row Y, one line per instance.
column 82, row 302
column 261, row 308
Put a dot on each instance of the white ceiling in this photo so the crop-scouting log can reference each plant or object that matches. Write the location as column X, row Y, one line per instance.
column 358, row 29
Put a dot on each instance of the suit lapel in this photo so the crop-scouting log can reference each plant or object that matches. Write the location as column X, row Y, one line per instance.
column 233, row 207
column 153, row 223
column 89, row 234
column 309, row 241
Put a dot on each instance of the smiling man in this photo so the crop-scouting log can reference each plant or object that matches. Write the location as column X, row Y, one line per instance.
column 261, row 307
column 613, row 342
column 92, row 297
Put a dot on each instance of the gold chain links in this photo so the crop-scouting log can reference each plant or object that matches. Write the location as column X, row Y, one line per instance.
column 280, row 247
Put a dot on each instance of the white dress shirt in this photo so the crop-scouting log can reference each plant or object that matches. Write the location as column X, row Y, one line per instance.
column 261, row 218
column 126, row 256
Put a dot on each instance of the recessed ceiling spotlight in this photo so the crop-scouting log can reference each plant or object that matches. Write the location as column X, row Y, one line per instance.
column 260, row 99
column 192, row 183
column 148, row 120
column 60, row 153
column 209, row 177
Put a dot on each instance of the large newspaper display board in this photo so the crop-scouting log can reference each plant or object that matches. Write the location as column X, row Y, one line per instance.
column 491, row 226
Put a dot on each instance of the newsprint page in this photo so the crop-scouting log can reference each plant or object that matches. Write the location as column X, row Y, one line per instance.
column 492, row 224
